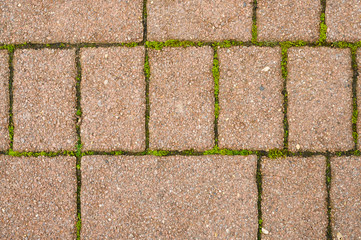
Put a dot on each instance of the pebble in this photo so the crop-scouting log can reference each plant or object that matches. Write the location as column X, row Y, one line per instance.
column 298, row 147
column 339, row 236
column 265, row 231
column 266, row 69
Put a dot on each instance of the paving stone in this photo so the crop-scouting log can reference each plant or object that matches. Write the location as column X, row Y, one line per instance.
column 346, row 196
column 113, row 99
column 73, row 21
column 288, row 20
column 38, row 198
column 250, row 98
column 181, row 99
column 176, row 197
column 343, row 20
column 4, row 100
column 44, row 100
column 294, row 198
column 198, row 20
column 319, row 99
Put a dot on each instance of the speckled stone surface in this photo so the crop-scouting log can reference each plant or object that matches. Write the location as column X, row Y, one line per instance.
column 288, row 20
column 181, row 99
column 38, row 198
column 199, row 20
column 44, row 100
column 319, row 89
column 49, row 21
column 177, row 197
column 113, row 99
column 250, row 98
column 294, row 198
column 343, row 20
column 4, row 100
column 346, row 196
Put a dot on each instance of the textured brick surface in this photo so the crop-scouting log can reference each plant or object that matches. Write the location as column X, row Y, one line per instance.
column 113, row 99
column 343, row 19
column 319, row 99
column 294, row 198
column 200, row 20
column 44, row 100
column 70, row 21
column 181, row 99
column 171, row 197
column 250, row 98
column 38, row 198
column 4, row 100
column 346, row 196
column 288, row 20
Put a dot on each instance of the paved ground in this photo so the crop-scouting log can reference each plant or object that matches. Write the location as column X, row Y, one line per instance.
column 160, row 119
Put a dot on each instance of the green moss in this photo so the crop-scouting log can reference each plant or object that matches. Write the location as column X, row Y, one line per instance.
column 172, row 43
column 227, row 44
column 277, row 153
column 216, row 150
column 78, row 227
column 323, row 30
column 158, row 153
column 215, row 72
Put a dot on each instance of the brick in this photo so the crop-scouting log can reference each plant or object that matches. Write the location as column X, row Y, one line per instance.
column 44, row 100
column 113, row 99
column 176, row 197
column 4, row 100
column 74, row 21
column 319, row 99
column 294, row 198
column 343, row 20
column 288, row 20
column 346, row 196
column 199, row 20
column 250, row 98
column 38, row 198
column 181, row 99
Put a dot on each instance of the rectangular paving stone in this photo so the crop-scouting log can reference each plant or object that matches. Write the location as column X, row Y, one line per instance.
column 343, row 20
column 181, row 99
column 176, row 197
column 346, row 197
column 199, row 20
column 75, row 21
column 38, row 197
column 44, row 100
column 288, row 20
column 319, row 99
column 4, row 100
column 294, row 198
column 250, row 98
column 113, row 99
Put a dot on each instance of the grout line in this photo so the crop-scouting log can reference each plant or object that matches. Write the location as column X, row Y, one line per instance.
column 323, row 26
column 11, row 98
column 354, row 96
column 328, row 198
column 284, row 52
column 215, row 72
column 146, row 76
column 259, row 199
column 254, row 22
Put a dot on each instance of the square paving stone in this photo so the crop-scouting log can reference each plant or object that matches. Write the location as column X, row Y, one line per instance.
column 176, row 197
column 4, row 100
column 294, row 198
column 319, row 89
column 346, row 197
column 250, row 98
column 288, row 20
column 199, row 20
column 181, row 99
column 44, row 100
column 38, row 198
column 75, row 21
column 343, row 20
column 113, row 99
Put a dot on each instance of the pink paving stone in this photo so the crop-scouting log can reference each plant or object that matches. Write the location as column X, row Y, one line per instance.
column 294, row 198
column 44, row 100
column 288, row 20
column 4, row 100
column 343, row 20
column 199, row 20
column 346, row 196
column 176, row 197
column 73, row 21
column 181, row 99
column 319, row 86
column 113, row 99
column 250, row 98
column 38, row 198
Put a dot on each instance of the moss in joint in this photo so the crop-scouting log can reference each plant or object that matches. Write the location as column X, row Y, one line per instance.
column 277, row 153
column 323, row 29
column 216, row 150
column 158, row 153
column 172, row 43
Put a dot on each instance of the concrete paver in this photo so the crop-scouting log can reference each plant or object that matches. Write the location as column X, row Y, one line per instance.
column 169, row 197
column 4, row 100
